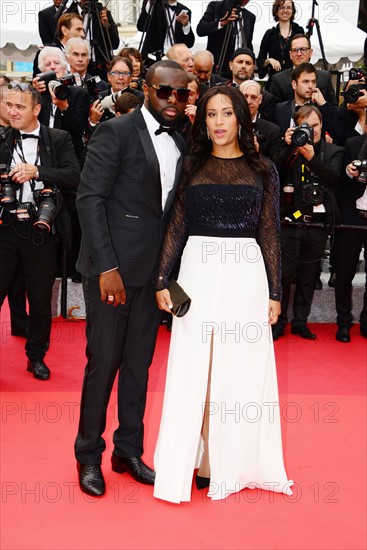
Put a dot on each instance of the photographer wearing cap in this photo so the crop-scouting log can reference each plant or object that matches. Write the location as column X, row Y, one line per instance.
column 308, row 168
column 352, row 200
column 36, row 162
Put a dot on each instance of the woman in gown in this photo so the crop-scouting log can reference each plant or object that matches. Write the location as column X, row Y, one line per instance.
column 221, row 410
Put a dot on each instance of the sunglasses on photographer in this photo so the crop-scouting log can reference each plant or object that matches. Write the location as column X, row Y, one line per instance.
column 165, row 92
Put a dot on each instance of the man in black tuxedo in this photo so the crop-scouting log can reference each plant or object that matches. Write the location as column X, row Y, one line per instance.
column 47, row 23
column 127, row 187
column 39, row 158
column 300, row 52
column 77, row 53
column 101, row 31
column 164, row 24
column 268, row 135
column 352, row 200
column 308, row 173
column 203, row 69
column 219, row 19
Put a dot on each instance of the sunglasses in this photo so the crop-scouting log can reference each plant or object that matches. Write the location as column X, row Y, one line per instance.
column 165, row 92
column 23, row 86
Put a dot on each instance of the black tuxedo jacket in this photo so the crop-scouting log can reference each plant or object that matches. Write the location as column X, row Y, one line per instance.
column 58, row 165
column 216, row 80
column 284, row 111
column 155, row 27
column 268, row 135
column 208, row 26
column 119, row 201
column 74, row 120
column 281, row 86
column 47, row 24
column 349, row 190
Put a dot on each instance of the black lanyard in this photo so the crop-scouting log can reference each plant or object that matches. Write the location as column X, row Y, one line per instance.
column 20, row 152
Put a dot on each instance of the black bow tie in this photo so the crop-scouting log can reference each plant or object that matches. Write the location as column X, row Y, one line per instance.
column 173, row 8
column 298, row 107
column 25, row 136
column 162, row 129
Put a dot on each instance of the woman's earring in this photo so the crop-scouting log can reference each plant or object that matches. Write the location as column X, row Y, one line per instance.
column 207, row 133
column 239, row 132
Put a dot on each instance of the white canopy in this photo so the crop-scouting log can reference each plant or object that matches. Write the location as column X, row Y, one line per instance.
column 19, row 37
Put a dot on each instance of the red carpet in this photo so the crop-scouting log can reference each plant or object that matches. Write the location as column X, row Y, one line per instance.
column 322, row 388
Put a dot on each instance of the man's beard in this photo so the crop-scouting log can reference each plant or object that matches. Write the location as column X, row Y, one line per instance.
column 160, row 118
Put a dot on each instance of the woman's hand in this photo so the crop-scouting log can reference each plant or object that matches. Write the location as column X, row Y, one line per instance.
column 163, row 298
column 273, row 311
column 274, row 63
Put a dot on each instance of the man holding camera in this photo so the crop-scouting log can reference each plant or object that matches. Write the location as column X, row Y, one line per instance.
column 352, row 199
column 39, row 161
column 309, row 169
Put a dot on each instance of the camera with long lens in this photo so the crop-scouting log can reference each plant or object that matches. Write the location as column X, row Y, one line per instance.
column 61, row 86
column 354, row 91
column 302, row 135
column 92, row 88
column 361, row 166
column 8, row 189
column 47, row 201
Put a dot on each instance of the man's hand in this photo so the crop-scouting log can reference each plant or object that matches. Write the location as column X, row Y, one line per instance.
column 164, row 301
column 352, row 170
column 23, row 172
column 318, row 98
column 104, row 18
column 62, row 104
column 360, row 104
column 190, row 111
column 183, row 18
column 96, row 112
column 40, row 85
column 307, row 151
column 288, row 136
column 112, row 288
column 228, row 18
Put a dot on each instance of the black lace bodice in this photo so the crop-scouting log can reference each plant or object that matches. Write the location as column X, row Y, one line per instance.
column 225, row 198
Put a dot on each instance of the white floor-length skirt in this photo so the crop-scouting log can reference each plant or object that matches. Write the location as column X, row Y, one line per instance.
column 226, row 280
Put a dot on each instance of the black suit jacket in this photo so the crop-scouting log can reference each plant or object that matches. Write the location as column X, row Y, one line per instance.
column 58, row 165
column 283, row 112
column 119, row 201
column 216, row 80
column 349, row 189
column 268, row 135
column 155, row 27
column 208, row 26
column 74, row 120
column 47, row 24
column 281, row 86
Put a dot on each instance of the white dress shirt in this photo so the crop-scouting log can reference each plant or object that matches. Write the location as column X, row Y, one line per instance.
column 30, row 148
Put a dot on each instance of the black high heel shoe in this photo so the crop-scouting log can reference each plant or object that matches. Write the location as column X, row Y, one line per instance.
column 202, row 482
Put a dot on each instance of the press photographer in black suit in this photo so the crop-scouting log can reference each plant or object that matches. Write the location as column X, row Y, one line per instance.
column 47, row 22
column 214, row 24
column 352, row 199
column 39, row 158
column 300, row 52
column 308, row 173
column 101, row 30
column 127, row 188
column 165, row 24
column 268, row 135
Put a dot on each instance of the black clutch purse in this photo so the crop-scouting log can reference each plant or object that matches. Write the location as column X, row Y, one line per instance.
column 180, row 300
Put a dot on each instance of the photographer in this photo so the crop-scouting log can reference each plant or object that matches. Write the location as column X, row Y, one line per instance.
column 101, row 31
column 37, row 162
column 308, row 169
column 71, row 113
column 352, row 199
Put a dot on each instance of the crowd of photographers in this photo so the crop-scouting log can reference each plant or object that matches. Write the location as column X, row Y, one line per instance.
column 317, row 143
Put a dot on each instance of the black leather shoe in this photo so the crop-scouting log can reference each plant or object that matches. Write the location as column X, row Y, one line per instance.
column 304, row 332
column 277, row 331
column 202, row 482
column 39, row 369
column 363, row 330
column 342, row 334
column 135, row 467
column 91, row 479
